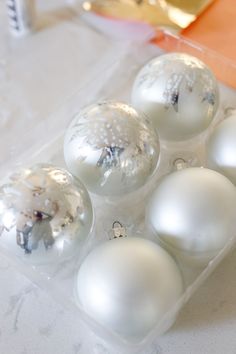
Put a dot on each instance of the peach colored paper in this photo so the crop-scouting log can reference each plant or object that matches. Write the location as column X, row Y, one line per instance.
column 216, row 28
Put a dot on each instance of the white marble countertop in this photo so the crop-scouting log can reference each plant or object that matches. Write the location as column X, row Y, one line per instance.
column 31, row 322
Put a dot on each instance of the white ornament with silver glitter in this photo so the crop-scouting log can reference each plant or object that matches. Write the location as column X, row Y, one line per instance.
column 21, row 15
column 112, row 148
column 192, row 212
column 45, row 215
column 178, row 93
column 128, row 284
column 221, row 148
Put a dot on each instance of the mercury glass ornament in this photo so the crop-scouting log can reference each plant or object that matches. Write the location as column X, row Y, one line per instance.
column 221, row 148
column 192, row 212
column 128, row 284
column 178, row 93
column 111, row 147
column 44, row 214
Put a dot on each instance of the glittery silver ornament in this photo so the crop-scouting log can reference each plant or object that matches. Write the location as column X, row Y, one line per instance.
column 221, row 148
column 128, row 284
column 178, row 93
column 111, row 147
column 44, row 214
column 193, row 211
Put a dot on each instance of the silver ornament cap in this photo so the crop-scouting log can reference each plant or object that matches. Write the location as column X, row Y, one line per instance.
column 45, row 215
column 128, row 284
column 178, row 93
column 221, row 148
column 111, row 147
column 193, row 211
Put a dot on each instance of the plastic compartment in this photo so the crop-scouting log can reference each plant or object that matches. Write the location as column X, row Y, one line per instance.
column 115, row 82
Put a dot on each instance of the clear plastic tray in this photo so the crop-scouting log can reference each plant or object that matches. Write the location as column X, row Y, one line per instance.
column 114, row 82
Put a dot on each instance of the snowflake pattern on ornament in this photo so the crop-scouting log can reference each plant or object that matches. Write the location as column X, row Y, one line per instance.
column 179, row 79
column 117, row 131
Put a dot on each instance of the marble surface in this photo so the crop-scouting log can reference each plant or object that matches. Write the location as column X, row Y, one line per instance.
column 31, row 322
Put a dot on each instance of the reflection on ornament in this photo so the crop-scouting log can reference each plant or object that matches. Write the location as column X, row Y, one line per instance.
column 178, row 93
column 112, row 148
column 44, row 213
column 128, row 284
column 192, row 212
column 221, row 148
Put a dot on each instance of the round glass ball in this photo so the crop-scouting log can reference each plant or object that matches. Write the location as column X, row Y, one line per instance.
column 128, row 284
column 192, row 212
column 45, row 214
column 112, row 148
column 221, row 148
column 178, row 93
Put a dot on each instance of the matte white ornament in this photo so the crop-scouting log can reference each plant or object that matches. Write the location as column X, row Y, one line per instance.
column 192, row 212
column 128, row 284
column 112, row 148
column 178, row 93
column 221, row 148
column 45, row 214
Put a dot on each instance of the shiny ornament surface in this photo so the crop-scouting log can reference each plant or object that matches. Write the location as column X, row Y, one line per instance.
column 221, row 148
column 44, row 214
column 111, row 147
column 193, row 210
column 178, row 93
column 128, row 284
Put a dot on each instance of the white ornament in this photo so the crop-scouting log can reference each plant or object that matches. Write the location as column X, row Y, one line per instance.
column 111, row 147
column 192, row 212
column 221, row 148
column 45, row 214
column 128, row 284
column 178, row 93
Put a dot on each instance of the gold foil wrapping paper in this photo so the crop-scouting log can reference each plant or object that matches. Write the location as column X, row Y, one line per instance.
column 175, row 14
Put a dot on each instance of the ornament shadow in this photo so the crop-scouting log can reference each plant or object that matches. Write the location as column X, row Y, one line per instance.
column 214, row 302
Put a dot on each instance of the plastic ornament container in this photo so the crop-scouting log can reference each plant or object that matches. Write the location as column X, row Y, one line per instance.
column 221, row 148
column 109, row 79
column 178, row 93
column 112, row 148
column 45, row 214
column 192, row 213
column 127, row 285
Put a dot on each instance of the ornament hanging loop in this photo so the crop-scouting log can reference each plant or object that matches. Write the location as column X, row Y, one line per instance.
column 183, row 161
column 228, row 111
column 180, row 164
column 118, row 230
